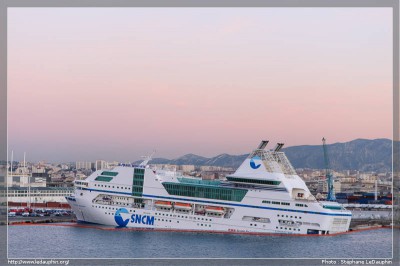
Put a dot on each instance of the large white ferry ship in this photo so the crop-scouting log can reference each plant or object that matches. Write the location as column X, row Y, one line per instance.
column 263, row 196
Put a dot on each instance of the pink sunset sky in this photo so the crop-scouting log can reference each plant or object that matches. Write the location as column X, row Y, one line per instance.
column 115, row 84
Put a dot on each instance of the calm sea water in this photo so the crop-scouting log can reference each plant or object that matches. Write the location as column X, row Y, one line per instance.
column 75, row 242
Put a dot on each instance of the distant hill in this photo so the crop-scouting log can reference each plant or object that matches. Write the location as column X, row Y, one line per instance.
column 359, row 154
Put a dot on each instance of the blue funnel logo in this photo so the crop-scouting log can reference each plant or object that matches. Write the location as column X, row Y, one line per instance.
column 253, row 164
column 118, row 218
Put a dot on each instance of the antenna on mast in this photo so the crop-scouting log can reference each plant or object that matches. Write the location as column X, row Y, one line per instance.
column 278, row 147
column 24, row 161
column 11, row 168
column 29, row 183
column 262, row 145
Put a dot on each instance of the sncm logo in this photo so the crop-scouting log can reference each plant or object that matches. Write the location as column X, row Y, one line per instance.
column 134, row 218
column 118, row 218
column 253, row 163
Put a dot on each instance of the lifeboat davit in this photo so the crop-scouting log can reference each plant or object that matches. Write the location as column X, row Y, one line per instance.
column 165, row 204
column 213, row 209
column 182, row 206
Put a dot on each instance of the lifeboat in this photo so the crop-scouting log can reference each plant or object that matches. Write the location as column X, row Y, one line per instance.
column 182, row 206
column 213, row 209
column 165, row 204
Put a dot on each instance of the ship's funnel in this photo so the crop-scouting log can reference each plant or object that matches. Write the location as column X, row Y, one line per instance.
column 262, row 145
column 278, row 147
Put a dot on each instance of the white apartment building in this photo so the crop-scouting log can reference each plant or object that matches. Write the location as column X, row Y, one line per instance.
column 100, row 164
column 84, row 165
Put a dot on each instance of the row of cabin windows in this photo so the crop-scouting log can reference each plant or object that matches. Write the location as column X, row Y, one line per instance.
column 256, row 181
column 276, row 202
column 198, row 218
column 209, row 225
column 108, row 186
column 81, row 183
column 294, row 229
column 301, row 205
column 176, row 210
column 162, row 220
column 109, row 208
column 214, row 214
column 287, row 216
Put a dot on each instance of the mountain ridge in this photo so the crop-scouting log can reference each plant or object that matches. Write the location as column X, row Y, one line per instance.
column 359, row 154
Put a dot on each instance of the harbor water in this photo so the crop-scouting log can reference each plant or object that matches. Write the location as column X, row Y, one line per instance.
column 59, row 241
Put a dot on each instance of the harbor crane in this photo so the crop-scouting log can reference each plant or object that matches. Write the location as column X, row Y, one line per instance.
column 328, row 173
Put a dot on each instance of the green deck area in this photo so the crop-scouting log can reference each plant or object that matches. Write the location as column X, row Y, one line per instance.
column 201, row 190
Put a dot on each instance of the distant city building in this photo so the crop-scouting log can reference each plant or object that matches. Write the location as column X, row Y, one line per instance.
column 100, row 164
column 17, row 180
column 78, row 176
column 348, row 179
column 210, row 168
column 64, row 167
column 186, row 168
column 83, row 165
column 37, row 195
column 38, row 169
